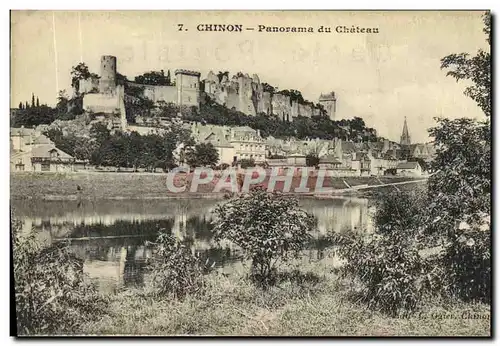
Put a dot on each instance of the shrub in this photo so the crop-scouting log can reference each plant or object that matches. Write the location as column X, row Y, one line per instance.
column 51, row 291
column 467, row 260
column 268, row 227
column 247, row 163
column 460, row 205
column 174, row 269
column 389, row 263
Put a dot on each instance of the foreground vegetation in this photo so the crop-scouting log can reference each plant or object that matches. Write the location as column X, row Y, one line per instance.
column 312, row 301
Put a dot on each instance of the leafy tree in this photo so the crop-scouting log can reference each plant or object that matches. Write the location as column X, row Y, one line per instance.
column 174, row 268
column 64, row 143
column 476, row 69
column 20, row 105
column 121, row 79
column 394, row 274
column 176, row 137
column 220, row 75
column 312, row 160
column 268, row 88
column 83, row 148
column 204, row 154
column 168, row 78
column 268, row 227
column 452, row 215
column 99, row 133
column 62, row 102
column 247, row 163
column 32, row 100
column 37, row 102
column 29, row 117
column 294, row 95
column 460, row 204
column 153, row 78
column 167, row 109
column 52, row 293
column 301, row 127
column 80, row 72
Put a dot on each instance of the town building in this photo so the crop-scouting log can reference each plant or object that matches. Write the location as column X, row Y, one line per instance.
column 232, row 143
column 409, row 169
column 31, row 151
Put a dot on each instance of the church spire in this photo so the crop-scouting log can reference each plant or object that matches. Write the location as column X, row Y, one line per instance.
column 405, row 136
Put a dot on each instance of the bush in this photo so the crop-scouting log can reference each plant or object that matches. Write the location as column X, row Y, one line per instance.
column 467, row 260
column 460, row 205
column 246, row 163
column 174, row 269
column 394, row 273
column 268, row 227
column 51, row 290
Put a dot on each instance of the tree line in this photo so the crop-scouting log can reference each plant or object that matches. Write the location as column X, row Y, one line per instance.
column 133, row 150
column 270, row 125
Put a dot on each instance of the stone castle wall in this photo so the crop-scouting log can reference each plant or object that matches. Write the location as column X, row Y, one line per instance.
column 157, row 93
column 246, row 94
column 282, row 107
column 102, row 103
column 242, row 93
column 90, row 85
column 305, row 110
column 264, row 103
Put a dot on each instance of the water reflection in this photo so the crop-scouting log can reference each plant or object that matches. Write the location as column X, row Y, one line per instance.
column 113, row 236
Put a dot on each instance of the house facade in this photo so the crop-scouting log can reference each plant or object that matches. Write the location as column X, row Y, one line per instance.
column 232, row 143
column 409, row 169
column 31, row 151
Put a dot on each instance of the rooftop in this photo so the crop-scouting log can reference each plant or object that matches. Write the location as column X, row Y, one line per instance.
column 408, row 165
column 44, row 151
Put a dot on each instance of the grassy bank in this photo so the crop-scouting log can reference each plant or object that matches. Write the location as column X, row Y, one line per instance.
column 83, row 185
column 314, row 302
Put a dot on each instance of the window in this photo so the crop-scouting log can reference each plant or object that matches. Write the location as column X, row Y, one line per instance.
column 19, row 167
column 45, row 167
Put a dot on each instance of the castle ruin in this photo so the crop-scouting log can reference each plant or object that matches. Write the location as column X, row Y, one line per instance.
column 243, row 93
column 246, row 94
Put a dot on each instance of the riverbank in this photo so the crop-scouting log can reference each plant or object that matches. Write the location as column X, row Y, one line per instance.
column 150, row 186
column 312, row 302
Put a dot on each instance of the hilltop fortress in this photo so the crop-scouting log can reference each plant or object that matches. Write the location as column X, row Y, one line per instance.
column 106, row 94
column 247, row 95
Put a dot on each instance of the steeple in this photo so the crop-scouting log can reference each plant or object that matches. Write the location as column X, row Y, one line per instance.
column 405, row 136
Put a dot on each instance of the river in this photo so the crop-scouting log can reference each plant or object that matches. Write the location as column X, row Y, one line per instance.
column 112, row 235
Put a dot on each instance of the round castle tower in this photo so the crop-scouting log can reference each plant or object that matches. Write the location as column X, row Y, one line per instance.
column 107, row 82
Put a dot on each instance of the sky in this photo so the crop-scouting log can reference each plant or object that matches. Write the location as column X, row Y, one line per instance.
column 381, row 78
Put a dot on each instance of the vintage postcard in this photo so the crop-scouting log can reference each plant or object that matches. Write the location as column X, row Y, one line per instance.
column 251, row 173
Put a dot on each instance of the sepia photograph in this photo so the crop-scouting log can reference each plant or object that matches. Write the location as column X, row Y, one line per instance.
column 288, row 173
